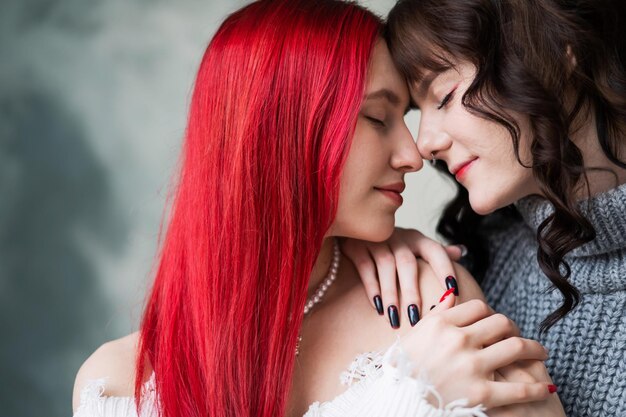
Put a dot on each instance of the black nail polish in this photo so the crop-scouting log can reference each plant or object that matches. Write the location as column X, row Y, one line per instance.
column 414, row 314
column 378, row 302
column 451, row 283
column 394, row 319
column 432, row 306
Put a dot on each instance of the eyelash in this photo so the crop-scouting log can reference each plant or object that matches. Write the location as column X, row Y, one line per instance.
column 445, row 100
column 376, row 122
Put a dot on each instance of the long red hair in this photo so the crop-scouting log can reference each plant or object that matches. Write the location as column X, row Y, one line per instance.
column 273, row 110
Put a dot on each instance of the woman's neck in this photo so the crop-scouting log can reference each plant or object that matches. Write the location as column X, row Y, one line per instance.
column 603, row 175
column 322, row 265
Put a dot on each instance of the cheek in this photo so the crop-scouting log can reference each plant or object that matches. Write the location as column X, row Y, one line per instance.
column 362, row 212
column 364, row 221
column 365, row 163
column 498, row 180
column 497, row 184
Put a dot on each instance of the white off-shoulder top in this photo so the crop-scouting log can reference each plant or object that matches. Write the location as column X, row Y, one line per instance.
column 379, row 384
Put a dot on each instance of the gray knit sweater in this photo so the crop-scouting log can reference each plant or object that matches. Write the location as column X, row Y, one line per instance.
column 588, row 347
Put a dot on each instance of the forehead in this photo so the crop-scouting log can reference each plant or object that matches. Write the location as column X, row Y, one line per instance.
column 420, row 87
column 383, row 73
column 459, row 71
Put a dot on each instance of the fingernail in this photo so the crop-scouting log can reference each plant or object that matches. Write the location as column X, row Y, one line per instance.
column 546, row 349
column 432, row 306
column 463, row 250
column 446, row 294
column 414, row 314
column 393, row 316
column 378, row 302
column 451, row 283
column 552, row 389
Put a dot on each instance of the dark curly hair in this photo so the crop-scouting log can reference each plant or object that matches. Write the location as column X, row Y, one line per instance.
column 557, row 61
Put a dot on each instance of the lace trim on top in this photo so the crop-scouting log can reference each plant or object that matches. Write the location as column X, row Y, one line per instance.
column 383, row 385
column 379, row 385
column 95, row 389
column 368, row 364
column 93, row 402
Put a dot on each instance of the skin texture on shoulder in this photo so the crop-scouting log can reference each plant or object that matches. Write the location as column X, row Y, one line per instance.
column 114, row 360
column 430, row 288
column 377, row 333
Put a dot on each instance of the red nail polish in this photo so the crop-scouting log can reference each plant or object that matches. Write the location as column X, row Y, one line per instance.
column 445, row 294
column 552, row 389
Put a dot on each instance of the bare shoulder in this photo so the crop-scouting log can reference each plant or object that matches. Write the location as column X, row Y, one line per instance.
column 114, row 360
column 363, row 329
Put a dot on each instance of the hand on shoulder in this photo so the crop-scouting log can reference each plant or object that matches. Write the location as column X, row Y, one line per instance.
column 430, row 288
column 114, row 360
column 408, row 263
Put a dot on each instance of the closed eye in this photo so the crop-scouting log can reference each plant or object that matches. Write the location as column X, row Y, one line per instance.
column 446, row 99
column 375, row 122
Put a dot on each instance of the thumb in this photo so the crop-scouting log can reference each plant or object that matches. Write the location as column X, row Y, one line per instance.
column 456, row 252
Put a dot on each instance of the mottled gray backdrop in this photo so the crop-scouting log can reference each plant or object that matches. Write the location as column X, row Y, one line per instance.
column 93, row 98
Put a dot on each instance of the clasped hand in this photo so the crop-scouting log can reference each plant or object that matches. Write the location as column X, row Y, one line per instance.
column 465, row 349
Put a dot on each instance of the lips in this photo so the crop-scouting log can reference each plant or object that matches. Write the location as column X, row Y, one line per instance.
column 393, row 192
column 397, row 187
column 459, row 170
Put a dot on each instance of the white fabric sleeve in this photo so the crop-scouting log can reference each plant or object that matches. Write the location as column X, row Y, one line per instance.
column 379, row 386
column 94, row 404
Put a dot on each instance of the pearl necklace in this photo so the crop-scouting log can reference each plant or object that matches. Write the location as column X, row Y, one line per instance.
column 319, row 293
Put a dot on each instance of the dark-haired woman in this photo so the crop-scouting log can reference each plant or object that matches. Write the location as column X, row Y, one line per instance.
column 524, row 104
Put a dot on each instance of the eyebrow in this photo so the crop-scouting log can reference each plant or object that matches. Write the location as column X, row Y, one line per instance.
column 423, row 87
column 388, row 95
column 425, row 83
column 384, row 93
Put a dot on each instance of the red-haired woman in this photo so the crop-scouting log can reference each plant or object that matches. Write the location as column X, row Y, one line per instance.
column 523, row 103
column 296, row 136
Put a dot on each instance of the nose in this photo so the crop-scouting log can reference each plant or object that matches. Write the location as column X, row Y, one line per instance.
column 406, row 157
column 431, row 138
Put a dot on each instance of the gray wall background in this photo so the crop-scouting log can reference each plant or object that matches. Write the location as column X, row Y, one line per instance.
column 93, row 100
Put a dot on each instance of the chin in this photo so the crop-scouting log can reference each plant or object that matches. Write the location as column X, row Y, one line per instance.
column 380, row 236
column 379, row 231
column 372, row 231
column 483, row 204
column 374, row 226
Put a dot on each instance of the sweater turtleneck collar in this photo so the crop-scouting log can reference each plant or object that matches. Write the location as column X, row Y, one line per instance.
column 605, row 211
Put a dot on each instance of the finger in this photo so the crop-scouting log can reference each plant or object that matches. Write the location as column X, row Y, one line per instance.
column 492, row 329
column 357, row 252
column 506, row 393
column 468, row 313
column 511, row 350
column 406, row 265
column 446, row 302
column 498, row 375
column 435, row 254
column 525, row 371
column 386, row 267
column 456, row 252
